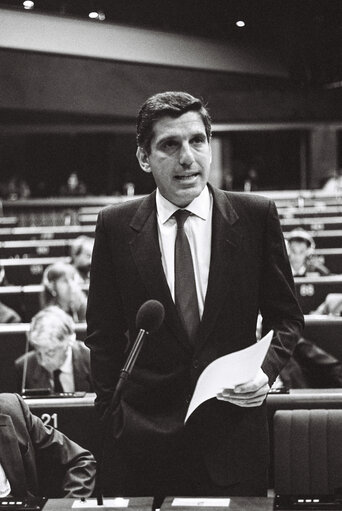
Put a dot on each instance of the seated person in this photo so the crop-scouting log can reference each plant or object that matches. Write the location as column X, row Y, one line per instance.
column 7, row 315
column 81, row 252
column 310, row 367
column 332, row 305
column 26, row 437
column 73, row 187
column 57, row 361
column 62, row 287
column 300, row 248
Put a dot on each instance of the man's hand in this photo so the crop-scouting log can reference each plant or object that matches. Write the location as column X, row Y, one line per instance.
column 251, row 393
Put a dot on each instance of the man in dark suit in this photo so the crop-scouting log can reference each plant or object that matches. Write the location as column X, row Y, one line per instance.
column 23, row 437
column 57, row 361
column 238, row 266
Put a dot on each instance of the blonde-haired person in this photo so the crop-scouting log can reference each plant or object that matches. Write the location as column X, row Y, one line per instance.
column 62, row 287
column 58, row 361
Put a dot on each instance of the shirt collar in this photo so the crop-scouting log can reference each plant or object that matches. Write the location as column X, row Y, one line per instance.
column 200, row 206
column 67, row 366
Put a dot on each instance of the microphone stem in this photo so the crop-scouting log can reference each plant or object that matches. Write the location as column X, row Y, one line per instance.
column 133, row 355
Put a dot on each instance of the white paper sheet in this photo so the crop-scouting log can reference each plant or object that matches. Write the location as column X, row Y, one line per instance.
column 200, row 502
column 228, row 371
column 92, row 503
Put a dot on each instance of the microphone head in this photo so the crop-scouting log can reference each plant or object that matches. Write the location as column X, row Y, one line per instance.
column 150, row 316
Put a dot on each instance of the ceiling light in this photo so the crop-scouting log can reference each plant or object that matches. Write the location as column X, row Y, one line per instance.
column 28, row 4
column 240, row 24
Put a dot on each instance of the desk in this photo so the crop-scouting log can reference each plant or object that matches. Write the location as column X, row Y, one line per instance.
column 236, row 504
column 75, row 417
column 135, row 504
column 312, row 291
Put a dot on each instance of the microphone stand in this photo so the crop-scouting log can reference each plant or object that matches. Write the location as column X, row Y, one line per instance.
column 123, row 378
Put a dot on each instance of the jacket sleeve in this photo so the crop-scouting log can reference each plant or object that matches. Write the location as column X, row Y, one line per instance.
column 79, row 464
column 278, row 303
column 106, row 324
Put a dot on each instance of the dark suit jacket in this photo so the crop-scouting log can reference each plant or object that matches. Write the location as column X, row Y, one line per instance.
column 23, row 436
column 249, row 271
column 38, row 377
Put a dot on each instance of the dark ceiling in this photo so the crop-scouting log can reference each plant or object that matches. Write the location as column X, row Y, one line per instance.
column 305, row 34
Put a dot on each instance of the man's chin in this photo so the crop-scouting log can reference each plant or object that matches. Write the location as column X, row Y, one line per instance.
column 184, row 196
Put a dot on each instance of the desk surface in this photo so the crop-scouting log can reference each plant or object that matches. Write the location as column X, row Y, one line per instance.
column 294, row 396
column 141, row 503
column 135, row 504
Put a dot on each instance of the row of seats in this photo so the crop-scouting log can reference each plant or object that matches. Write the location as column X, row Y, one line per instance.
column 24, row 299
column 325, row 331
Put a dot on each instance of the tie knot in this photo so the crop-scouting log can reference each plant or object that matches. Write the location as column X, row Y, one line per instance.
column 181, row 215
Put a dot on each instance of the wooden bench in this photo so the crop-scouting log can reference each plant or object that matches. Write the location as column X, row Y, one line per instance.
column 35, row 248
column 23, row 299
column 312, row 224
column 46, row 232
column 26, row 271
column 316, row 211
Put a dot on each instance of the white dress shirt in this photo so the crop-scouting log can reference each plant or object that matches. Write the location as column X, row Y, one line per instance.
column 198, row 229
column 5, row 487
column 67, row 373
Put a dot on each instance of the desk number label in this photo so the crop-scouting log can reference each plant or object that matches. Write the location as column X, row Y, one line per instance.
column 307, row 290
column 50, row 419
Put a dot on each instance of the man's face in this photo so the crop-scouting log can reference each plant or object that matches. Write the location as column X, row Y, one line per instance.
column 83, row 259
column 52, row 354
column 298, row 252
column 180, row 157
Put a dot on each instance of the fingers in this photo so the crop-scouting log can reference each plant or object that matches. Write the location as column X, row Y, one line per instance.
column 251, row 398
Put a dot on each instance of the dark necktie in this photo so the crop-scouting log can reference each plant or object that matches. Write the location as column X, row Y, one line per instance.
column 57, row 382
column 185, row 286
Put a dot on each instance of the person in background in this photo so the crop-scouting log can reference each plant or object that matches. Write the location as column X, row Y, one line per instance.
column 57, row 362
column 310, row 366
column 62, row 287
column 332, row 305
column 81, row 251
column 304, row 263
column 23, row 438
column 74, row 186
column 213, row 259
column 7, row 315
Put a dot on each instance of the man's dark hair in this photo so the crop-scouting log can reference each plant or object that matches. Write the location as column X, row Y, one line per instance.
column 173, row 104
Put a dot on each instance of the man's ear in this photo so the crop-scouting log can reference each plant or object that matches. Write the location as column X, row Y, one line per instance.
column 143, row 159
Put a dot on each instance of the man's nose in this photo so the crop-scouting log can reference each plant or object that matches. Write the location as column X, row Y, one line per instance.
column 186, row 157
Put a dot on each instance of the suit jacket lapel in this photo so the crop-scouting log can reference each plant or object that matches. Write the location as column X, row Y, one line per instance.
column 146, row 253
column 226, row 242
column 10, row 457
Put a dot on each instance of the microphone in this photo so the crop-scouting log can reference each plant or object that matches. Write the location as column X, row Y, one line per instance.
column 149, row 319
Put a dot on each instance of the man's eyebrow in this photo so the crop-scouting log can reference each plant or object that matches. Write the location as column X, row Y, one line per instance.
column 172, row 136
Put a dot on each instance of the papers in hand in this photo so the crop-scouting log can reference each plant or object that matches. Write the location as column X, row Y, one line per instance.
column 230, row 370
